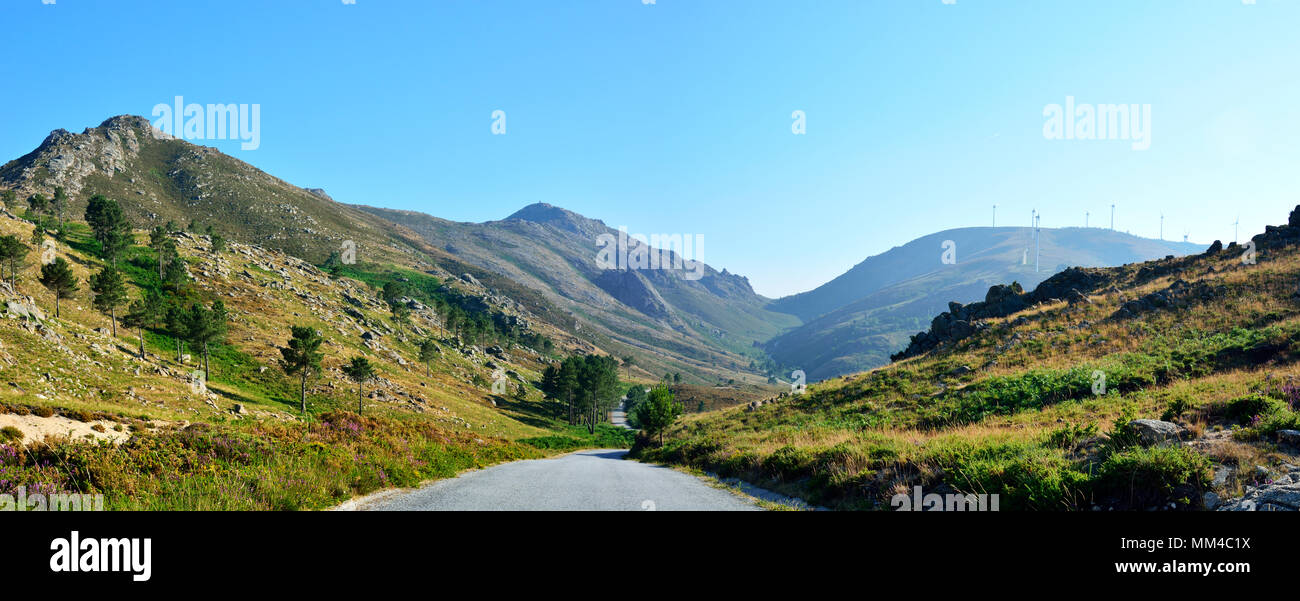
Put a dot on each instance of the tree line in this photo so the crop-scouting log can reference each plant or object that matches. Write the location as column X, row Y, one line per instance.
column 168, row 306
column 587, row 386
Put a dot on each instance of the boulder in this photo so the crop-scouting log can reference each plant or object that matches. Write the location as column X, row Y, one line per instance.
column 1291, row 437
column 1153, row 431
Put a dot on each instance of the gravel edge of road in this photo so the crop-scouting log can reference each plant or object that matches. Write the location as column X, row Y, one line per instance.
column 762, row 497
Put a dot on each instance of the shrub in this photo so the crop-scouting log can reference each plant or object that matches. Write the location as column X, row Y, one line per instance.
column 1123, row 435
column 43, row 412
column 10, row 433
column 789, row 463
column 1282, row 420
column 1177, row 408
column 1068, row 436
column 1147, row 476
column 1024, row 475
column 1244, row 409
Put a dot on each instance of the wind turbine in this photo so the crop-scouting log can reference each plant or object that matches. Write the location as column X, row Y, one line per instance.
column 1037, row 255
column 1086, row 216
column 1112, row 217
column 1235, row 225
column 995, row 215
column 1162, row 227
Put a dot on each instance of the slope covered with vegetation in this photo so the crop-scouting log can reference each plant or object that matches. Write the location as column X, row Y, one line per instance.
column 704, row 327
column 856, row 321
column 194, row 403
column 1036, row 396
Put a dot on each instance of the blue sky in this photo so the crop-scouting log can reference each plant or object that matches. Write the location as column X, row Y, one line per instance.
column 675, row 117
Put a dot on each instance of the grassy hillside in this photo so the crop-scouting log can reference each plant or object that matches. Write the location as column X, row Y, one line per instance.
column 1012, row 406
column 80, row 411
column 704, row 329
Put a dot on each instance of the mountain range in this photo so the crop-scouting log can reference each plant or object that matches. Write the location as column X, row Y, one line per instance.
column 709, row 326
column 856, row 321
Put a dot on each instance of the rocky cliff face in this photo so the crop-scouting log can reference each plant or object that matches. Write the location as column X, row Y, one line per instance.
column 631, row 288
column 66, row 159
column 158, row 178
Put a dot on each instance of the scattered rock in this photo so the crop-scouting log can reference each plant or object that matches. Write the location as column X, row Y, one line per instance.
column 1283, row 494
column 1291, row 437
column 1152, row 431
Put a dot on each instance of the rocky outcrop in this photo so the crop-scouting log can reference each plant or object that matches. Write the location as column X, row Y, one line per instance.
column 632, row 289
column 961, row 321
column 1281, row 494
column 1178, row 295
column 1279, row 236
column 71, row 158
column 1075, row 284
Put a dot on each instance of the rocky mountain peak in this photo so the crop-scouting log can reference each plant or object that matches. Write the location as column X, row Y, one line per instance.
column 548, row 214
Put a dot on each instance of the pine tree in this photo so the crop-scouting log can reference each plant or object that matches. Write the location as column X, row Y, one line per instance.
column 428, row 352
column 204, row 327
column 109, row 225
column 58, row 205
column 174, row 319
column 12, row 254
column 149, row 311
column 110, row 293
column 59, row 279
column 175, row 275
column 38, row 203
column 302, row 357
column 158, row 241
column 401, row 316
column 658, row 411
column 360, row 371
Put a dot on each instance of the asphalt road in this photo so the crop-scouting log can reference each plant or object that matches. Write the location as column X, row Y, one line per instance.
column 598, row 480
column 619, row 418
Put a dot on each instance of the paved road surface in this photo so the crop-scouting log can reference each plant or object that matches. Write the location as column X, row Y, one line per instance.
column 619, row 418
column 599, row 480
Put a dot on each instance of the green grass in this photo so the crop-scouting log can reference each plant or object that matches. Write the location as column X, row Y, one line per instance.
column 577, row 437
